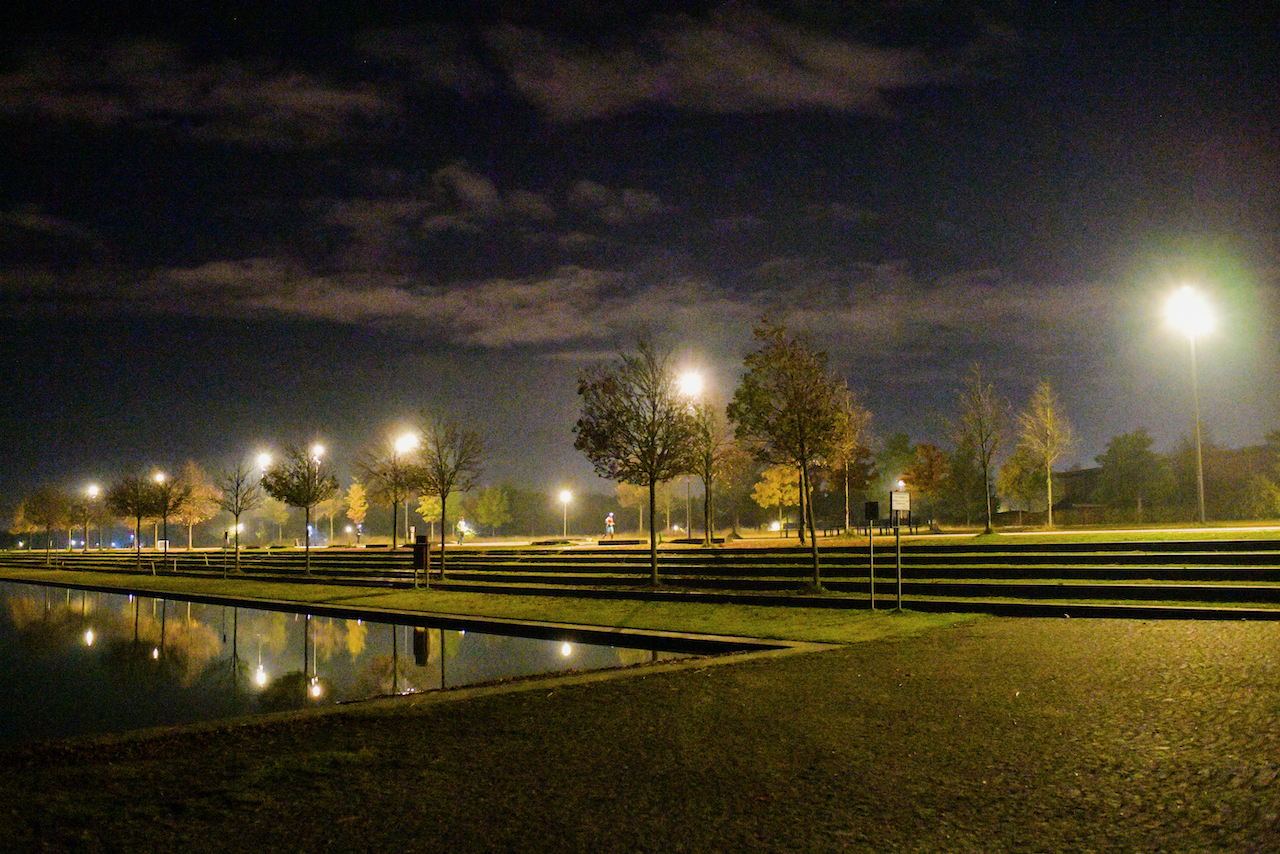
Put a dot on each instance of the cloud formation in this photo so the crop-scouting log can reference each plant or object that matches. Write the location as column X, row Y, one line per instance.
column 149, row 83
column 737, row 60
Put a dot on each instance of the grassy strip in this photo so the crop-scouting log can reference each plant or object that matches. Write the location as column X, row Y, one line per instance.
column 1086, row 535
column 779, row 622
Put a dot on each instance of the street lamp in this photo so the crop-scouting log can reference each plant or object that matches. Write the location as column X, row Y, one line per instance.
column 565, row 497
column 403, row 444
column 92, row 491
column 264, row 461
column 691, row 386
column 1189, row 313
column 162, row 480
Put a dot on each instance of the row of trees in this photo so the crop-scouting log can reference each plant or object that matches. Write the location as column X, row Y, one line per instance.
column 790, row 410
column 792, row 415
column 446, row 461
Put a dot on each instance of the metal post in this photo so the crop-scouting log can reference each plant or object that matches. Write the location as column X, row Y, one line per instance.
column 1195, row 397
column 871, row 562
column 897, row 539
column 688, row 508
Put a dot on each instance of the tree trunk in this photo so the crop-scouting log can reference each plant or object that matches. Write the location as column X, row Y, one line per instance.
column 653, row 533
column 443, row 497
column 708, row 533
column 813, row 538
column 846, row 496
column 986, row 487
column 395, row 519
column 1048, row 485
column 237, row 518
column 802, row 506
column 306, row 542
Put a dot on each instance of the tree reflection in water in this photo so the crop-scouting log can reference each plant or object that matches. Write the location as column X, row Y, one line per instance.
column 76, row 663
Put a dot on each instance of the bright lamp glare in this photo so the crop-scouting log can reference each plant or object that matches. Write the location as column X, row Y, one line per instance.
column 691, row 384
column 1189, row 313
column 565, row 496
column 406, row 443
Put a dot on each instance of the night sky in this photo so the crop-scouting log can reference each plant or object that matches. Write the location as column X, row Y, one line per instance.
column 224, row 227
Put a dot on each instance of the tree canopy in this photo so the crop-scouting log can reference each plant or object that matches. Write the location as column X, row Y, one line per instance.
column 298, row 480
column 636, row 427
column 1046, row 436
column 982, row 428
column 450, row 461
column 788, row 409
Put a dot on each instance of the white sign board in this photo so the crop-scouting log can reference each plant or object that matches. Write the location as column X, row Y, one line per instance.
column 900, row 501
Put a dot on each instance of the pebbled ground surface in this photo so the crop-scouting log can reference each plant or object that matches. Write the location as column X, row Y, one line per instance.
column 1013, row 735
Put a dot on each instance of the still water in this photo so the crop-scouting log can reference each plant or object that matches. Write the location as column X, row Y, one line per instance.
column 76, row 662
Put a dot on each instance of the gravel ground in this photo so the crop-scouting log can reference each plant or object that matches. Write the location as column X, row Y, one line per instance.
column 995, row 735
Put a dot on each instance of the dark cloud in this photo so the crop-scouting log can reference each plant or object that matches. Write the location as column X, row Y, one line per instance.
column 736, row 60
column 520, row 188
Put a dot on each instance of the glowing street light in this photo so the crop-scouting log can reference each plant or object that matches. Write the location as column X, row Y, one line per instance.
column 403, row 444
column 565, row 497
column 161, row 480
column 92, row 491
column 691, row 384
column 264, row 461
column 1189, row 313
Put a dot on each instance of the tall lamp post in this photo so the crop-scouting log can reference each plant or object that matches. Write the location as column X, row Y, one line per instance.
column 691, row 387
column 1189, row 313
column 162, row 481
column 92, row 492
column 565, row 497
column 402, row 445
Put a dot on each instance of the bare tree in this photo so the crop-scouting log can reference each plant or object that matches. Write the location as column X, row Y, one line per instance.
column 135, row 498
column 202, row 500
column 787, row 410
column 330, row 508
column 238, row 493
column 171, row 496
column 983, row 427
column 390, row 476
column 1046, row 435
column 850, row 450
column 450, row 460
column 635, row 427
column 712, row 442
column 47, row 508
column 298, row 480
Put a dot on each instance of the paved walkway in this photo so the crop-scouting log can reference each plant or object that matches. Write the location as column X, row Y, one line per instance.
column 1050, row 735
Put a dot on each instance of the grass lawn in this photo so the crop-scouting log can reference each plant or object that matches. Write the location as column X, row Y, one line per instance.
column 819, row 625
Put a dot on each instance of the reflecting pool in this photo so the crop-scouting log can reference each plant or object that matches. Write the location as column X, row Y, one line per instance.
column 76, row 662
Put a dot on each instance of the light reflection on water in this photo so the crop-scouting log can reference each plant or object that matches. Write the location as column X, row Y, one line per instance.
column 78, row 662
